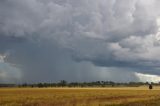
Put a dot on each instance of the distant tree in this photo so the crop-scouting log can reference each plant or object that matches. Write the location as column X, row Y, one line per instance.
column 40, row 85
column 63, row 83
column 24, row 85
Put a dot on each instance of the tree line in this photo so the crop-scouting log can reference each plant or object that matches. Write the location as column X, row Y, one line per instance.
column 64, row 83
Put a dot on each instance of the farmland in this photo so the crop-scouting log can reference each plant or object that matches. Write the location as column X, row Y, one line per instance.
column 124, row 96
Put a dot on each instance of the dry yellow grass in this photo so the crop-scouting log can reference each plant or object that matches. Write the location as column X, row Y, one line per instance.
column 138, row 96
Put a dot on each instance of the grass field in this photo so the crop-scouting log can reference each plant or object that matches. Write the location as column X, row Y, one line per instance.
column 138, row 96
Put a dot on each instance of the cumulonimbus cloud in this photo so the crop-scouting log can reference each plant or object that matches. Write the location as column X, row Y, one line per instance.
column 106, row 33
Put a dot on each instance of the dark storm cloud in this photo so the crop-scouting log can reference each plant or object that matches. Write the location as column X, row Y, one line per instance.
column 63, row 39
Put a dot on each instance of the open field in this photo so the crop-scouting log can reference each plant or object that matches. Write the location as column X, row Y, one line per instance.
column 138, row 96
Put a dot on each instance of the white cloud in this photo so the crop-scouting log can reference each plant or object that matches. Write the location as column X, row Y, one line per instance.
column 8, row 72
column 148, row 77
column 2, row 57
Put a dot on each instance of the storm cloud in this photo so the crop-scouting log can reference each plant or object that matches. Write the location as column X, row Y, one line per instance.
column 82, row 40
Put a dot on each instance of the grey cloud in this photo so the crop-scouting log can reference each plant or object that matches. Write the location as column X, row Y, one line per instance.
column 62, row 39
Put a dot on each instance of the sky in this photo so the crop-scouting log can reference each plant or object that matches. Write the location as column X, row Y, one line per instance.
column 79, row 40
